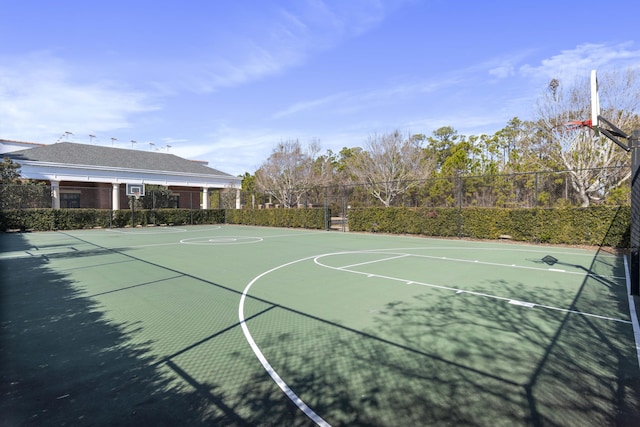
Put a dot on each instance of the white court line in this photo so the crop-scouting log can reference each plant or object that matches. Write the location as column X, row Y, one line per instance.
column 377, row 260
column 17, row 255
column 632, row 310
column 460, row 291
column 549, row 251
column 152, row 245
column 263, row 360
column 283, row 385
column 494, row 264
column 146, row 231
column 221, row 240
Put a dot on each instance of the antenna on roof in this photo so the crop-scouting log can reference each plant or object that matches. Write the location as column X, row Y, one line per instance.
column 133, row 143
column 151, row 144
column 168, row 146
column 65, row 135
column 91, row 139
column 113, row 140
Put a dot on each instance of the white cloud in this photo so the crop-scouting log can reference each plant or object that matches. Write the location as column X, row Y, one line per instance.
column 309, row 105
column 285, row 40
column 503, row 71
column 41, row 98
column 572, row 63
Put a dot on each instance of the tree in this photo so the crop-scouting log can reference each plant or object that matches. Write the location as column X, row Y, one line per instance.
column 595, row 163
column 16, row 194
column 248, row 196
column 9, row 171
column 440, row 144
column 389, row 165
column 156, row 197
column 289, row 172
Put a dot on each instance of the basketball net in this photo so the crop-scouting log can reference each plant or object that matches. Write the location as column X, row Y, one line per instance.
column 569, row 135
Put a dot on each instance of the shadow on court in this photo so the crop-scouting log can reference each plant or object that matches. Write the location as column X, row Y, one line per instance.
column 484, row 362
column 449, row 361
column 64, row 363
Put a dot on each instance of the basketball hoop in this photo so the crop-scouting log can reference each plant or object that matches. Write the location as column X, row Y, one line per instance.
column 576, row 124
column 569, row 134
column 135, row 190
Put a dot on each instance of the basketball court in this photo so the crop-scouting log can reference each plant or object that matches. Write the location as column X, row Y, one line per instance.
column 238, row 325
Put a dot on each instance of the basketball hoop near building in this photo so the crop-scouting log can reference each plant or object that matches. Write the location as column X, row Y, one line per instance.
column 136, row 191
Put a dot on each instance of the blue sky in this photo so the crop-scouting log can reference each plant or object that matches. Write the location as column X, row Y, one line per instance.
column 225, row 81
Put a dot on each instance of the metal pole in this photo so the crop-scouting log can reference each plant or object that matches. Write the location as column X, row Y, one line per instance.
column 634, row 144
column 460, row 219
column 344, row 209
column 327, row 218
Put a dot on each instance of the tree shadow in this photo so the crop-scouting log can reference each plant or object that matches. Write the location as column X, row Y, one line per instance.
column 455, row 360
column 64, row 362
column 518, row 365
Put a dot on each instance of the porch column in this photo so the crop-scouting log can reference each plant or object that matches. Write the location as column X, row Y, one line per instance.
column 115, row 196
column 238, row 199
column 55, row 194
column 205, row 198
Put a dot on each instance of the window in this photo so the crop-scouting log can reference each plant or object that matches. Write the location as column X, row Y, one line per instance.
column 69, row 200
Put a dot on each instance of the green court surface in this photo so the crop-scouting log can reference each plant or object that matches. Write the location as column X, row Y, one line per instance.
column 234, row 325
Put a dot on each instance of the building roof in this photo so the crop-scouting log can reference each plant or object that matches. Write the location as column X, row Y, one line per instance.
column 97, row 156
column 8, row 145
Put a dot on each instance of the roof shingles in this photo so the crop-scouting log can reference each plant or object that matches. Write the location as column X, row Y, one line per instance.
column 91, row 155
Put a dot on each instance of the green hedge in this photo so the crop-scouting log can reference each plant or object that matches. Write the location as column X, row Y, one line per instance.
column 73, row 219
column 53, row 219
column 70, row 219
column 279, row 217
column 596, row 225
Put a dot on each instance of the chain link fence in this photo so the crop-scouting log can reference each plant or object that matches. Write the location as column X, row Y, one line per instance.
column 519, row 190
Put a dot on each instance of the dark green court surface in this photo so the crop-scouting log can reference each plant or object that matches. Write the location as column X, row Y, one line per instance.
column 231, row 325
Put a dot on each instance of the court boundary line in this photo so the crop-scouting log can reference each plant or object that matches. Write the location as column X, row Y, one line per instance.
column 231, row 240
column 146, row 231
column 295, row 399
column 527, row 304
column 442, row 258
column 310, row 413
column 244, row 327
column 243, row 294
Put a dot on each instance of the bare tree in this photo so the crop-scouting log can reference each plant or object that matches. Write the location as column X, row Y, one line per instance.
column 595, row 163
column 289, row 172
column 390, row 165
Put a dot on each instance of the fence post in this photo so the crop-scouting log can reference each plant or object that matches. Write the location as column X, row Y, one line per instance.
column 326, row 209
column 460, row 221
column 344, row 208
column 535, row 191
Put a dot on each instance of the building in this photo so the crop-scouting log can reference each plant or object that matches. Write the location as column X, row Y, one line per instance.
column 82, row 175
column 7, row 145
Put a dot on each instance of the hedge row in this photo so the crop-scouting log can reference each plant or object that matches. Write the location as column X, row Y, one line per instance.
column 70, row 219
column 596, row 225
column 280, row 217
column 73, row 219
